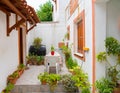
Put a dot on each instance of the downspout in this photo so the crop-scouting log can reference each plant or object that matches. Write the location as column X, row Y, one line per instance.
column 93, row 46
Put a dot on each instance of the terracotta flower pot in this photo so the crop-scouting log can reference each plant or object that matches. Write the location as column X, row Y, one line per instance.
column 116, row 90
column 61, row 44
column 52, row 52
column 44, row 82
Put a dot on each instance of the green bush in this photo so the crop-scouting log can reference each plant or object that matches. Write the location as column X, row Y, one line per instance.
column 112, row 49
column 66, row 51
column 8, row 88
column 37, row 42
column 68, row 83
column 43, row 76
column 104, row 85
column 81, row 80
column 33, row 59
column 70, row 63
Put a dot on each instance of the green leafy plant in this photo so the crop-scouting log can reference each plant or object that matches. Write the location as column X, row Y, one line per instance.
column 66, row 51
column 45, row 11
column 14, row 75
column 40, row 60
column 35, row 60
column 112, row 48
column 105, row 85
column 21, row 66
column 66, row 36
column 69, row 84
column 112, row 45
column 102, row 56
column 37, row 42
column 86, row 90
column 8, row 88
column 52, row 48
column 52, row 80
column 113, row 73
column 70, row 63
column 43, row 77
column 81, row 79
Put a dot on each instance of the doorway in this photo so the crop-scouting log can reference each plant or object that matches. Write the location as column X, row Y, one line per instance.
column 20, row 36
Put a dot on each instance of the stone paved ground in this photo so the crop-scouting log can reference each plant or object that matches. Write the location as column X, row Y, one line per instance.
column 29, row 76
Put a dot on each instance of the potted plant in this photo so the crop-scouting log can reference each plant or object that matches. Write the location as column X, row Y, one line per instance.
column 37, row 48
column 104, row 85
column 52, row 81
column 69, row 84
column 71, row 63
column 81, row 81
column 8, row 88
column 21, row 69
column 66, row 51
column 40, row 60
column 37, row 42
column 52, row 50
column 13, row 78
column 112, row 48
column 43, row 77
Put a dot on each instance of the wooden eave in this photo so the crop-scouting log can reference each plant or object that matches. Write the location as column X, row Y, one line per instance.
column 20, row 8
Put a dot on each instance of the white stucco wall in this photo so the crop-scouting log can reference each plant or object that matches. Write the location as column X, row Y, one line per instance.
column 59, row 12
column 8, row 50
column 106, row 25
column 113, row 14
column 51, row 32
column 100, row 35
column 87, row 6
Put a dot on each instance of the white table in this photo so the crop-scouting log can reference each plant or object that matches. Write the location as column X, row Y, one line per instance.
column 53, row 61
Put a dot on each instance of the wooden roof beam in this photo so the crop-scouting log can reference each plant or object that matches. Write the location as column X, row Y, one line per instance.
column 31, row 28
column 18, row 23
column 10, row 5
column 5, row 11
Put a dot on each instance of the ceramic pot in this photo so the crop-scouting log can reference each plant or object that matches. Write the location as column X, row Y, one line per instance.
column 52, row 52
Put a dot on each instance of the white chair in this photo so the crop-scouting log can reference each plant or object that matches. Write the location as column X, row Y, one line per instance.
column 52, row 62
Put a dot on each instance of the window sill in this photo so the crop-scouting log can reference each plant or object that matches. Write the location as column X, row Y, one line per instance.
column 80, row 56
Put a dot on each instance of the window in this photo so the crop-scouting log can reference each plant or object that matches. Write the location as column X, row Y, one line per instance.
column 79, row 35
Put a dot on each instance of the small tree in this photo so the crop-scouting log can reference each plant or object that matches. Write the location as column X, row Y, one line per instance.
column 45, row 12
column 112, row 48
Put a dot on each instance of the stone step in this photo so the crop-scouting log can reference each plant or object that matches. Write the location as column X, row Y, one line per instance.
column 36, row 89
column 52, row 70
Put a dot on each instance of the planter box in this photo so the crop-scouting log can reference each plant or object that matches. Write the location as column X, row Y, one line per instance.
column 41, row 51
column 12, row 80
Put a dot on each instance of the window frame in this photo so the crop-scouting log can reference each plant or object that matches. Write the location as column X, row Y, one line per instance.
column 80, row 17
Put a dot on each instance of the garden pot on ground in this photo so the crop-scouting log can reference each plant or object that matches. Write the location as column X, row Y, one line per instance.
column 116, row 90
column 43, row 82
